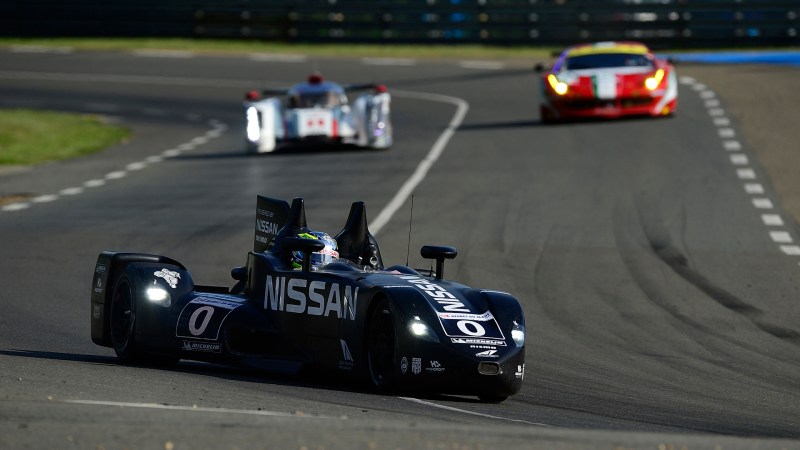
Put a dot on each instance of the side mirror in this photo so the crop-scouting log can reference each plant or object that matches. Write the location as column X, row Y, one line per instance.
column 307, row 246
column 439, row 253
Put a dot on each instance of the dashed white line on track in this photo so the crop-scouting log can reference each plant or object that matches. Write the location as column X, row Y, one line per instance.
column 195, row 408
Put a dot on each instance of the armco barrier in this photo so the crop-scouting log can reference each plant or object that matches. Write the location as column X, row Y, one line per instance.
column 660, row 23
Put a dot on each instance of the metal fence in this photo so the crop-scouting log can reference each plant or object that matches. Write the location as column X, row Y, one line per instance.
column 660, row 23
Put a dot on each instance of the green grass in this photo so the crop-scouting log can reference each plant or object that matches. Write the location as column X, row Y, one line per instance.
column 32, row 137
column 254, row 46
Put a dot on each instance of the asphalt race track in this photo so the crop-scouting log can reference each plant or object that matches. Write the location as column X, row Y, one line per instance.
column 655, row 261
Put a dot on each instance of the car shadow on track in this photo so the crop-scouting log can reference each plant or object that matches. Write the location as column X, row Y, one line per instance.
column 245, row 374
column 294, row 150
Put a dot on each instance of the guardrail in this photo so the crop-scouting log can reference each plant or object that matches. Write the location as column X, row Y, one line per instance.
column 660, row 23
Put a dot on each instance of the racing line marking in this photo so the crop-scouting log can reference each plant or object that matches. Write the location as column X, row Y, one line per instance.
column 781, row 237
column 464, row 411
column 217, row 128
column 199, row 409
column 421, row 171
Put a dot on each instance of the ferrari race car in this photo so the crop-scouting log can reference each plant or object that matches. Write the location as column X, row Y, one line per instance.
column 317, row 111
column 395, row 328
column 607, row 79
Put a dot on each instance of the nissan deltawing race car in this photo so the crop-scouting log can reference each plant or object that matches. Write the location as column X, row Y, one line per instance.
column 305, row 300
column 607, row 79
column 317, row 111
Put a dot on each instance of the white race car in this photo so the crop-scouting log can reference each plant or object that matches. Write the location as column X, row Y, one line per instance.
column 318, row 111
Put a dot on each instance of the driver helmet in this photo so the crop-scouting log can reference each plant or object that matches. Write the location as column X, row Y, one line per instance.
column 320, row 258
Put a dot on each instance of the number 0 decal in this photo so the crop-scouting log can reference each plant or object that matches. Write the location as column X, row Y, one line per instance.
column 193, row 328
column 471, row 328
column 202, row 318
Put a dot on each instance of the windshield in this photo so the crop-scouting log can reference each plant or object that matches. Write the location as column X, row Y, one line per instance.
column 326, row 99
column 605, row 60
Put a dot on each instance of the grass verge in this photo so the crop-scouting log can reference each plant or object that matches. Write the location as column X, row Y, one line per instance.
column 32, row 137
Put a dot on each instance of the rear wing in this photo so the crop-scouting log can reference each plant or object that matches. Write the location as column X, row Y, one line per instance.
column 271, row 216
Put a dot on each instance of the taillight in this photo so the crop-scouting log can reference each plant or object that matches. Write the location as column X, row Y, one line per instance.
column 252, row 96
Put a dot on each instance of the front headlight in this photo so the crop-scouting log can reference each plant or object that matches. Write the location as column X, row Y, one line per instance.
column 159, row 296
column 421, row 330
column 559, row 87
column 518, row 334
column 653, row 82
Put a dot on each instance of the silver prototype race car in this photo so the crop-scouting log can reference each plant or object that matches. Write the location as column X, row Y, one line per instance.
column 318, row 112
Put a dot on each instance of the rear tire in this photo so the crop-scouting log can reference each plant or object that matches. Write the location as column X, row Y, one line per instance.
column 381, row 347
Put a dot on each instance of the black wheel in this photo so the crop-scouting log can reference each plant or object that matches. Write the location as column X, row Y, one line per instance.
column 381, row 347
column 123, row 322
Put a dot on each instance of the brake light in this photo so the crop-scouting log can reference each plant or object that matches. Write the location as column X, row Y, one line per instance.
column 559, row 87
column 252, row 96
column 653, row 82
column 380, row 89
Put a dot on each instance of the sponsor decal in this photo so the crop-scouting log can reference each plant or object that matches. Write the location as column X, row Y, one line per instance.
column 416, row 365
column 202, row 317
column 209, row 347
column 404, row 365
column 443, row 298
column 98, row 287
column 483, row 347
column 169, row 276
column 346, row 363
column 315, row 298
column 100, row 268
column 265, row 226
column 492, row 342
column 435, row 367
column 520, row 373
column 487, row 354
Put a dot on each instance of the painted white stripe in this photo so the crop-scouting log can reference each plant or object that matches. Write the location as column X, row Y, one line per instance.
column 781, row 237
column 707, row 95
column 277, row 57
column 483, row 65
column 791, row 250
column 712, row 103
column 116, row 175
column 464, row 411
column 44, row 198
column 716, row 112
column 772, row 220
column 200, row 140
column 71, row 191
column 40, row 49
column 732, row 146
column 94, row 183
column 155, row 159
column 136, row 166
column 740, row 159
column 127, row 79
column 687, row 80
column 746, row 174
column 171, row 153
column 726, row 133
column 422, row 168
column 753, row 188
column 722, row 121
column 156, row 53
column 762, row 203
column 15, row 206
column 195, row 408
column 699, row 87
column 389, row 61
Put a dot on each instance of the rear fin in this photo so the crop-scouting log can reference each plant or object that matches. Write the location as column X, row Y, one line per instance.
column 271, row 216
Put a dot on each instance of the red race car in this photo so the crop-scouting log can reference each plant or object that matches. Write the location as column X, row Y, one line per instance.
column 607, row 79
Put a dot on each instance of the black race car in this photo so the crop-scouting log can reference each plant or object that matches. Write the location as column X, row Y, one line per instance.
column 397, row 328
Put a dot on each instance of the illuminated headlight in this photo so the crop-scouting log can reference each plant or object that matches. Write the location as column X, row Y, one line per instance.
column 253, row 127
column 559, row 87
column 158, row 296
column 518, row 334
column 420, row 329
column 653, row 82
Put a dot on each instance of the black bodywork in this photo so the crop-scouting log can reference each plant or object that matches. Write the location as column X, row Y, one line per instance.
column 394, row 327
